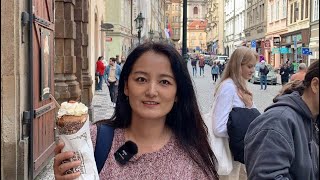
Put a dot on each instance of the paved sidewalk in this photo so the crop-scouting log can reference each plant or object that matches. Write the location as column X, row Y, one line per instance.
column 101, row 105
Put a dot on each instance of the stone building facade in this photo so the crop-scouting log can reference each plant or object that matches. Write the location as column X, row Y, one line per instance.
column 215, row 28
column 276, row 26
column 314, row 30
column 173, row 14
column 77, row 44
column 298, row 35
column 256, row 24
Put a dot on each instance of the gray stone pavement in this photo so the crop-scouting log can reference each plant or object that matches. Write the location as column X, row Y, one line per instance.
column 101, row 105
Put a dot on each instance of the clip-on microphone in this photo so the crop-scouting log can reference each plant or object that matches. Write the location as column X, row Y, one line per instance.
column 126, row 152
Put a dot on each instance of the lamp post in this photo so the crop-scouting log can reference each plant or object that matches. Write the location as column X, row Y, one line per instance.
column 184, row 32
column 139, row 23
column 151, row 33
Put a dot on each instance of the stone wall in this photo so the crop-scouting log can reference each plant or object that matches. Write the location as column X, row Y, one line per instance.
column 14, row 94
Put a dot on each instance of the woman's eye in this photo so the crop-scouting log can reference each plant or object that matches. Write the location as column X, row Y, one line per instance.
column 141, row 79
column 165, row 82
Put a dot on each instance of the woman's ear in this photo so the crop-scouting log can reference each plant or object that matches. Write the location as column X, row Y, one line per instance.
column 315, row 85
column 126, row 88
column 176, row 99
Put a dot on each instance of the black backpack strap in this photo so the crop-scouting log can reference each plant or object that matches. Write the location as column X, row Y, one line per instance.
column 104, row 139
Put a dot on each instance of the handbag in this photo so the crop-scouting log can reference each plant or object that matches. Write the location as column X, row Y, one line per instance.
column 220, row 147
column 97, row 74
column 237, row 125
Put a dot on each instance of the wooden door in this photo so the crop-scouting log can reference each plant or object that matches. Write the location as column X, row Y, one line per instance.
column 43, row 136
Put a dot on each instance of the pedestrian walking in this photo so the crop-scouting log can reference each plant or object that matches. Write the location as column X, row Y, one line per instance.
column 201, row 65
column 118, row 60
column 232, row 91
column 300, row 74
column 153, row 112
column 263, row 70
column 284, row 73
column 194, row 66
column 123, row 60
column 112, row 75
column 283, row 143
column 214, row 72
column 100, row 72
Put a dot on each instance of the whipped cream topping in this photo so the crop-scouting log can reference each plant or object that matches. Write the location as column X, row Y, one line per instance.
column 73, row 109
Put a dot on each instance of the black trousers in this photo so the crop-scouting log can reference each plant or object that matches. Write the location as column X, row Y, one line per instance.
column 113, row 89
column 214, row 77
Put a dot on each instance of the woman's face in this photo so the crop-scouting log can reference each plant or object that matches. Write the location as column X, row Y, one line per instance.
column 151, row 87
column 247, row 69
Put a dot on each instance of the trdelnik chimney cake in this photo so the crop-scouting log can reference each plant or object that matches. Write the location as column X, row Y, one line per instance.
column 74, row 131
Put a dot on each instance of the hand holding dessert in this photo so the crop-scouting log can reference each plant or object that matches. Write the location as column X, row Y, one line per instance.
column 74, row 155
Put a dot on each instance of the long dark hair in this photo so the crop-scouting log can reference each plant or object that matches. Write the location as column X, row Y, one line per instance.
column 298, row 85
column 184, row 119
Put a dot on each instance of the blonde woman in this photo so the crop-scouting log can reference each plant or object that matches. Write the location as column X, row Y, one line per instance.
column 232, row 91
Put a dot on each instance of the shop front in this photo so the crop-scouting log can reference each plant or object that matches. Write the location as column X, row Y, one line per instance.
column 292, row 44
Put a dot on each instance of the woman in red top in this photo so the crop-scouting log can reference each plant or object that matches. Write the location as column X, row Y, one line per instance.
column 100, row 72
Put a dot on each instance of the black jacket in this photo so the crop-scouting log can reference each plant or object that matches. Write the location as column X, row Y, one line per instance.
column 280, row 144
column 264, row 70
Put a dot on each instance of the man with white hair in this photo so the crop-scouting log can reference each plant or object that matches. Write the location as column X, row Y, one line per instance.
column 263, row 74
column 300, row 74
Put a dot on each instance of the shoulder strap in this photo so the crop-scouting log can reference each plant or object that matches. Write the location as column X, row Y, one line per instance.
column 104, row 139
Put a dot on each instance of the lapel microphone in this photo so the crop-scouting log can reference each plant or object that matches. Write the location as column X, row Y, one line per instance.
column 126, row 152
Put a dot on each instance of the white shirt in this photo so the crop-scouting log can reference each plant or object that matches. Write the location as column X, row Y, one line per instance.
column 225, row 99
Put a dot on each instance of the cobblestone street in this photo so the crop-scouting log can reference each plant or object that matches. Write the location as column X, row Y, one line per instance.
column 204, row 87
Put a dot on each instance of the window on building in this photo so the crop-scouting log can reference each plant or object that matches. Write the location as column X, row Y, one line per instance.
column 175, row 31
column 277, row 10
column 271, row 13
column 254, row 16
column 307, row 9
column 177, row 8
column 291, row 14
column 296, row 11
column 250, row 18
column 262, row 12
column 168, row 7
column 195, row 10
column 302, row 9
column 284, row 8
column 315, row 10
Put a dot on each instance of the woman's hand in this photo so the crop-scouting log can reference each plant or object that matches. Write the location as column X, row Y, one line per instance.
column 246, row 97
column 59, row 168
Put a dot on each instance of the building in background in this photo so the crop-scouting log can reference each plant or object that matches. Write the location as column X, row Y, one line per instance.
column 174, row 21
column 119, row 39
column 314, row 31
column 276, row 26
column 215, row 27
column 298, row 35
column 229, row 26
column 51, row 57
column 197, row 37
column 239, row 14
column 196, row 31
column 197, row 9
column 255, row 24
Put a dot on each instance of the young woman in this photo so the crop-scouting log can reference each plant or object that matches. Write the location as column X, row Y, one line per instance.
column 156, row 109
column 231, row 92
column 283, row 143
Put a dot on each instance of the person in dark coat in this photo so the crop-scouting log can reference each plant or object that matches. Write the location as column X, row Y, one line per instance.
column 283, row 142
column 284, row 73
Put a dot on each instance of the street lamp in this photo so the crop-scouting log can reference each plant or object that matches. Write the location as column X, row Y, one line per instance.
column 139, row 23
column 151, row 33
